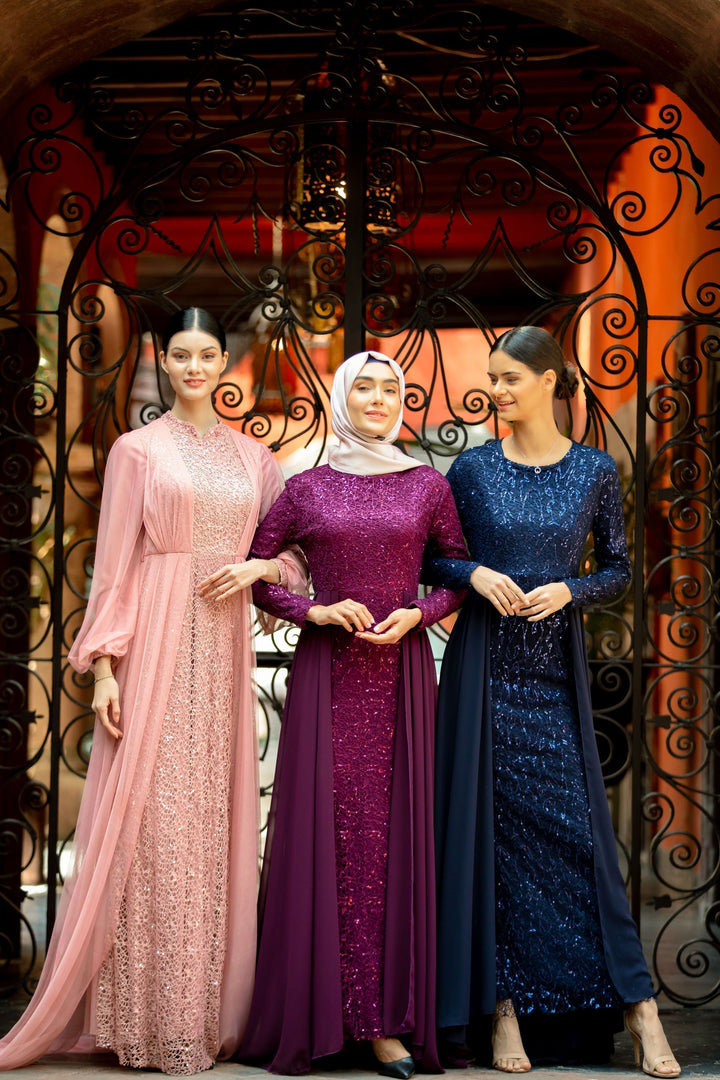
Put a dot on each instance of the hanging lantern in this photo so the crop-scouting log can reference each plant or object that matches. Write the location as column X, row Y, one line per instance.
column 383, row 189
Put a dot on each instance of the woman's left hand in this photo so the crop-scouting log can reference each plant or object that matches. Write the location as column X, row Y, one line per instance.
column 234, row 577
column 544, row 600
column 390, row 630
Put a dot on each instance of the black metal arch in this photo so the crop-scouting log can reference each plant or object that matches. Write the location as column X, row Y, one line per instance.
column 368, row 162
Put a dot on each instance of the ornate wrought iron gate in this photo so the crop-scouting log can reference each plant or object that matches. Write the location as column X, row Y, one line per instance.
column 417, row 175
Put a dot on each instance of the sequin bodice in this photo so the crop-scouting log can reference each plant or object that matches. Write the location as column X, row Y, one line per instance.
column 363, row 536
column 533, row 525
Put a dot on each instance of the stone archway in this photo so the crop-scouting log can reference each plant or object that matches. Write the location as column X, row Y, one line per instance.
column 667, row 38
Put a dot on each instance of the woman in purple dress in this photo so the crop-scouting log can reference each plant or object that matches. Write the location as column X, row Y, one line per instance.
column 347, row 947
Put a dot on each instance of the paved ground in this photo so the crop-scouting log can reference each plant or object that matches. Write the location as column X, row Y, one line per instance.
column 693, row 1034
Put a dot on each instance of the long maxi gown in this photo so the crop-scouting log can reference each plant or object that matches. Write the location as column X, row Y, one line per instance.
column 154, row 947
column 347, row 947
column 532, row 905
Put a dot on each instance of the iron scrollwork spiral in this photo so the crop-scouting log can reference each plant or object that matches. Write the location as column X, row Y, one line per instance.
column 482, row 201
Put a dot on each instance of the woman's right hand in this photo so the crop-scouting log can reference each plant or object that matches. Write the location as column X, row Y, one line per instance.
column 499, row 589
column 106, row 704
column 347, row 613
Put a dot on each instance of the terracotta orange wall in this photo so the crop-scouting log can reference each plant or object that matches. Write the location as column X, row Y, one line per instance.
column 663, row 258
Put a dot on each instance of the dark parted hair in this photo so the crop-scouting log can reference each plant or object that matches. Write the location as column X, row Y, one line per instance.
column 538, row 350
column 193, row 318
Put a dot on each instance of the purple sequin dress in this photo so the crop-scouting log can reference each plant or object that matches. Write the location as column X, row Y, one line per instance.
column 367, row 711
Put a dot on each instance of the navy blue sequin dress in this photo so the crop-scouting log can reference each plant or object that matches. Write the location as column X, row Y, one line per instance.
column 532, row 905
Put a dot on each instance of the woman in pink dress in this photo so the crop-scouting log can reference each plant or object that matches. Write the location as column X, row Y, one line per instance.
column 154, row 949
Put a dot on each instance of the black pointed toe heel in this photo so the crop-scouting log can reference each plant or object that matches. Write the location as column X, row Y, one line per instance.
column 402, row 1069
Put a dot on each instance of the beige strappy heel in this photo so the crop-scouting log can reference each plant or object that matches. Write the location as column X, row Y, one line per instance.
column 663, row 1064
column 508, row 1052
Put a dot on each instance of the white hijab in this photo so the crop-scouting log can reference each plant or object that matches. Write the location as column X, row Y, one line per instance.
column 358, row 453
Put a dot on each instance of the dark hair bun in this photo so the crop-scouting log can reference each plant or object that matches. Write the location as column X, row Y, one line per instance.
column 193, row 318
column 567, row 383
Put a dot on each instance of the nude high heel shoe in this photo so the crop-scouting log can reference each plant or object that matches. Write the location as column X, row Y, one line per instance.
column 663, row 1064
column 508, row 1052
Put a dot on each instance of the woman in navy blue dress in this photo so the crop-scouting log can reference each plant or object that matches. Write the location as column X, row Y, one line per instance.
column 533, row 916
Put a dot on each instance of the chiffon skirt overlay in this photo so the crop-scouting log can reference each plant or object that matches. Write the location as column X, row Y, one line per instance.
column 532, row 903
column 153, row 952
column 347, row 891
column 347, row 945
column 158, row 993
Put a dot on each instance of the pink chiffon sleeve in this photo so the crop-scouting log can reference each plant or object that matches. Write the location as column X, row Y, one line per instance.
column 111, row 615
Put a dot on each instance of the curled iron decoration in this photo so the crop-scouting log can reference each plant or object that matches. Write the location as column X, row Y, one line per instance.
column 233, row 147
column 677, row 855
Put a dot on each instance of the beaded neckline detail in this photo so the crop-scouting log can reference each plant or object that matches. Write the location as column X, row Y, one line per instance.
column 537, row 469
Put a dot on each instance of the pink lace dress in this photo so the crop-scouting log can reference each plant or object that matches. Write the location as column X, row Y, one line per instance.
column 154, row 949
column 158, row 992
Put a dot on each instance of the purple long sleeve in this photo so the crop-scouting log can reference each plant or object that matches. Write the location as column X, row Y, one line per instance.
column 275, row 534
column 364, row 538
column 445, row 541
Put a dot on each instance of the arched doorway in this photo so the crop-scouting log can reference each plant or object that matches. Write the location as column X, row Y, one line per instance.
column 414, row 178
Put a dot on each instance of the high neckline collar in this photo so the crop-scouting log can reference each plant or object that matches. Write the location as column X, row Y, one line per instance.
column 187, row 425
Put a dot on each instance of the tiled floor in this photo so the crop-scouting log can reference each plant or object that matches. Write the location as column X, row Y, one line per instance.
column 693, row 1034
